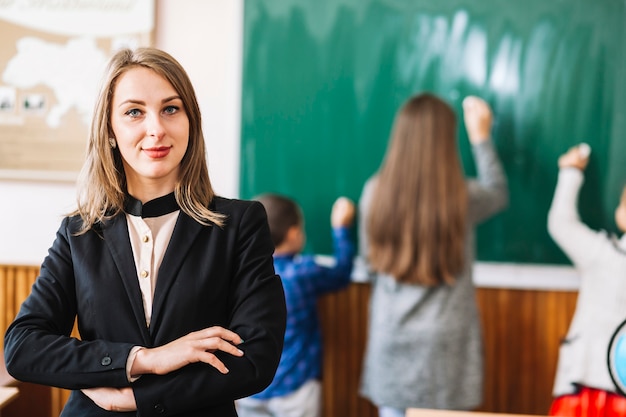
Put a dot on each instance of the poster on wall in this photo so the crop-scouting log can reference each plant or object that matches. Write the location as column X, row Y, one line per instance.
column 52, row 56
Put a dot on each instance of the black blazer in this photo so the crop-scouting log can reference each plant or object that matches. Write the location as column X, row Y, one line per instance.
column 209, row 276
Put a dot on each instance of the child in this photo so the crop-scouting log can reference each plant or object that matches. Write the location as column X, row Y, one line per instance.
column 417, row 217
column 296, row 389
column 583, row 386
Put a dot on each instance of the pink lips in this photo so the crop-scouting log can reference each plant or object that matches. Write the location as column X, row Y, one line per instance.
column 157, row 152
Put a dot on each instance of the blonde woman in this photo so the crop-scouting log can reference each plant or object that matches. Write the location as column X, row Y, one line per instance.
column 173, row 288
column 417, row 215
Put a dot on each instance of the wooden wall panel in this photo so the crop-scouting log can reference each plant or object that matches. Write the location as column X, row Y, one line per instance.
column 33, row 400
column 15, row 283
column 522, row 331
column 343, row 318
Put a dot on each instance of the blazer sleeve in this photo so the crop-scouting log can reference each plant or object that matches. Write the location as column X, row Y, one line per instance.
column 257, row 313
column 38, row 345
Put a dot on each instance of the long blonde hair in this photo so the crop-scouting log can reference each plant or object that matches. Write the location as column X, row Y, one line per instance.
column 417, row 220
column 102, row 182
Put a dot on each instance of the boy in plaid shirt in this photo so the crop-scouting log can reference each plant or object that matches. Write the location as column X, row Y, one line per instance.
column 296, row 388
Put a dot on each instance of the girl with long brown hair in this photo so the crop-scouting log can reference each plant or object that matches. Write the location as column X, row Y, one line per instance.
column 417, row 214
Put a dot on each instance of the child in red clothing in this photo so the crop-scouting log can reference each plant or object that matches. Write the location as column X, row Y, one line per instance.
column 583, row 386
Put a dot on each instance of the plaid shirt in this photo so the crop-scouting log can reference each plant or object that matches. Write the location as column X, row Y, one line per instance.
column 304, row 280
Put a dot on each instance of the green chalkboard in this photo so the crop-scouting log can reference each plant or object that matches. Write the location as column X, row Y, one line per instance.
column 322, row 81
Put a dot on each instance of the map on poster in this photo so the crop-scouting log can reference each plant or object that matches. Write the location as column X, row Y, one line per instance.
column 52, row 56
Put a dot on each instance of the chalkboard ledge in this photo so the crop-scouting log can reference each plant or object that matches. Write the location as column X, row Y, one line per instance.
column 541, row 277
column 526, row 276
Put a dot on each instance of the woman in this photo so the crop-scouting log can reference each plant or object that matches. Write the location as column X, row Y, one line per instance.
column 172, row 288
column 417, row 214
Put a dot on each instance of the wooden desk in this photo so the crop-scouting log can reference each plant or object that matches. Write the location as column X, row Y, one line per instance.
column 423, row 412
column 7, row 394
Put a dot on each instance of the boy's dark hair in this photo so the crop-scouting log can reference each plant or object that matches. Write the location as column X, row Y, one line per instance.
column 282, row 213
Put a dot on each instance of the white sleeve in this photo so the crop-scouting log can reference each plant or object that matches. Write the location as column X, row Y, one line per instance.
column 574, row 237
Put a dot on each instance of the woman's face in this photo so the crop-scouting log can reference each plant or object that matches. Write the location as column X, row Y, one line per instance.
column 620, row 213
column 151, row 127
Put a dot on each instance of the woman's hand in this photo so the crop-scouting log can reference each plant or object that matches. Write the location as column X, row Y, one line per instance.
column 112, row 399
column 195, row 347
column 478, row 119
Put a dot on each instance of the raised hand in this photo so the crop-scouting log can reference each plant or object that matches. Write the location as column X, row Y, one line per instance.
column 575, row 157
column 478, row 119
column 342, row 212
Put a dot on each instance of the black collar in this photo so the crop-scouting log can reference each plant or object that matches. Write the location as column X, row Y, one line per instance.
column 153, row 208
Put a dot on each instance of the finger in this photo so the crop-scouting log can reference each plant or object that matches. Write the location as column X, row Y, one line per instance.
column 584, row 150
column 213, row 345
column 222, row 333
column 212, row 360
column 227, row 334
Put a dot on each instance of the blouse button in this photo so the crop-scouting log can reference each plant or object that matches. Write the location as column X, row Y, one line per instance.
column 143, row 274
column 145, row 239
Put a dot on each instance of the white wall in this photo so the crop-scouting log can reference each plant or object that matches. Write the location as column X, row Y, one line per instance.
column 206, row 37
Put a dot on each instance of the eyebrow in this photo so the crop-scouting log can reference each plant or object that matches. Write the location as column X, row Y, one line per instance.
column 176, row 97
column 165, row 100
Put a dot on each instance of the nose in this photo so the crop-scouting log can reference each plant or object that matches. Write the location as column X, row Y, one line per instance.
column 154, row 126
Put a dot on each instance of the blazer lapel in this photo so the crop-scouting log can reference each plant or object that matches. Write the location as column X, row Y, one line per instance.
column 184, row 234
column 117, row 238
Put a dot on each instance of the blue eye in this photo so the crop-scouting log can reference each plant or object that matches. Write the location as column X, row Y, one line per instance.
column 133, row 113
column 171, row 109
